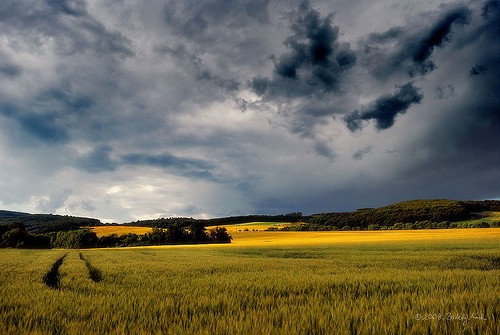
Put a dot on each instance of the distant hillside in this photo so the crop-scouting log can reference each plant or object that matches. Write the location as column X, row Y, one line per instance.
column 44, row 223
column 436, row 213
column 10, row 214
column 414, row 214
column 185, row 222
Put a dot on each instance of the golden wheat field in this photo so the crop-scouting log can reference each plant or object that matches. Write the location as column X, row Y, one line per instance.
column 232, row 229
column 257, row 236
column 119, row 230
column 380, row 282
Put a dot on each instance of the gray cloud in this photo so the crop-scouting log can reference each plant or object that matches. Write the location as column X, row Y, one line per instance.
column 201, row 72
column 438, row 34
column 490, row 6
column 69, row 7
column 387, row 36
column 46, row 126
column 477, row 70
column 410, row 48
column 216, row 107
column 358, row 155
column 316, row 59
column 385, row 109
column 188, row 167
column 202, row 20
column 54, row 201
column 8, row 68
column 47, row 19
column 444, row 92
column 98, row 160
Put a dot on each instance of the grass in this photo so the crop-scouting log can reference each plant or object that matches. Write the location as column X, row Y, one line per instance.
column 346, row 283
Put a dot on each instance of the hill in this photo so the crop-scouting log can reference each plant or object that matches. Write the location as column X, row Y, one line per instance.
column 414, row 214
column 45, row 223
column 11, row 214
column 436, row 213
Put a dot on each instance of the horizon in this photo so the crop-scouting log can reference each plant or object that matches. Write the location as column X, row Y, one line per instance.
column 244, row 215
column 131, row 111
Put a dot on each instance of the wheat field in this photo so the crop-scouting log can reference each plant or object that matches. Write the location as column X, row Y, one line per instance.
column 408, row 282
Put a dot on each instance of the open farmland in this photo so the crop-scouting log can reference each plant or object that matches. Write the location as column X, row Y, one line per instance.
column 232, row 229
column 119, row 230
column 399, row 282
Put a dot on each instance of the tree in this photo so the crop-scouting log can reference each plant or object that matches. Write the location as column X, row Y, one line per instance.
column 198, row 233
column 175, row 233
column 13, row 235
column 75, row 239
column 220, row 235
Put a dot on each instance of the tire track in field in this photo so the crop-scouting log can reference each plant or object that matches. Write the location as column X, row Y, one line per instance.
column 52, row 278
column 94, row 273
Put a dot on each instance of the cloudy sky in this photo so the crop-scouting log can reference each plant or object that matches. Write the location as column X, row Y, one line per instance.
column 125, row 110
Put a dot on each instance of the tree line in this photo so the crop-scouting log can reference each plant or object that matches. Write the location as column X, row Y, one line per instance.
column 414, row 214
column 184, row 221
column 15, row 235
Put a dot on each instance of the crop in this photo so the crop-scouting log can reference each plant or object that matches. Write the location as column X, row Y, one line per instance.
column 434, row 284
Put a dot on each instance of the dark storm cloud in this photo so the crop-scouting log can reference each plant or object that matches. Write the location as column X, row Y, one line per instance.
column 477, row 70
column 77, row 33
column 102, row 159
column 98, row 160
column 308, row 79
column 463, row 155
column 315, row 62
column 410, row 48
column 437, row 36
column 10, row 70
column 390, row 35
column 46, row 127
column 385, row 109
column 489, row 7
column 48, row 116
column 188, row 167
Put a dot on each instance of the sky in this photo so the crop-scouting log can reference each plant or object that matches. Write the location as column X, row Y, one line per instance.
column 125, row 110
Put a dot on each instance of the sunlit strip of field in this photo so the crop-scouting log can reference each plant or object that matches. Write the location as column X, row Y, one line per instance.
column 284, row 238
column 256, row 236
column 495, row 216
column 119, row 230
column 256, row 239
column 232, row 229
column 251, row 226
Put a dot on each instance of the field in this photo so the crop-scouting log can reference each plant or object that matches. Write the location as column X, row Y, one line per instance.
column 246, row 229
column 232, row 229
column 119, row 230
column 390, row 282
